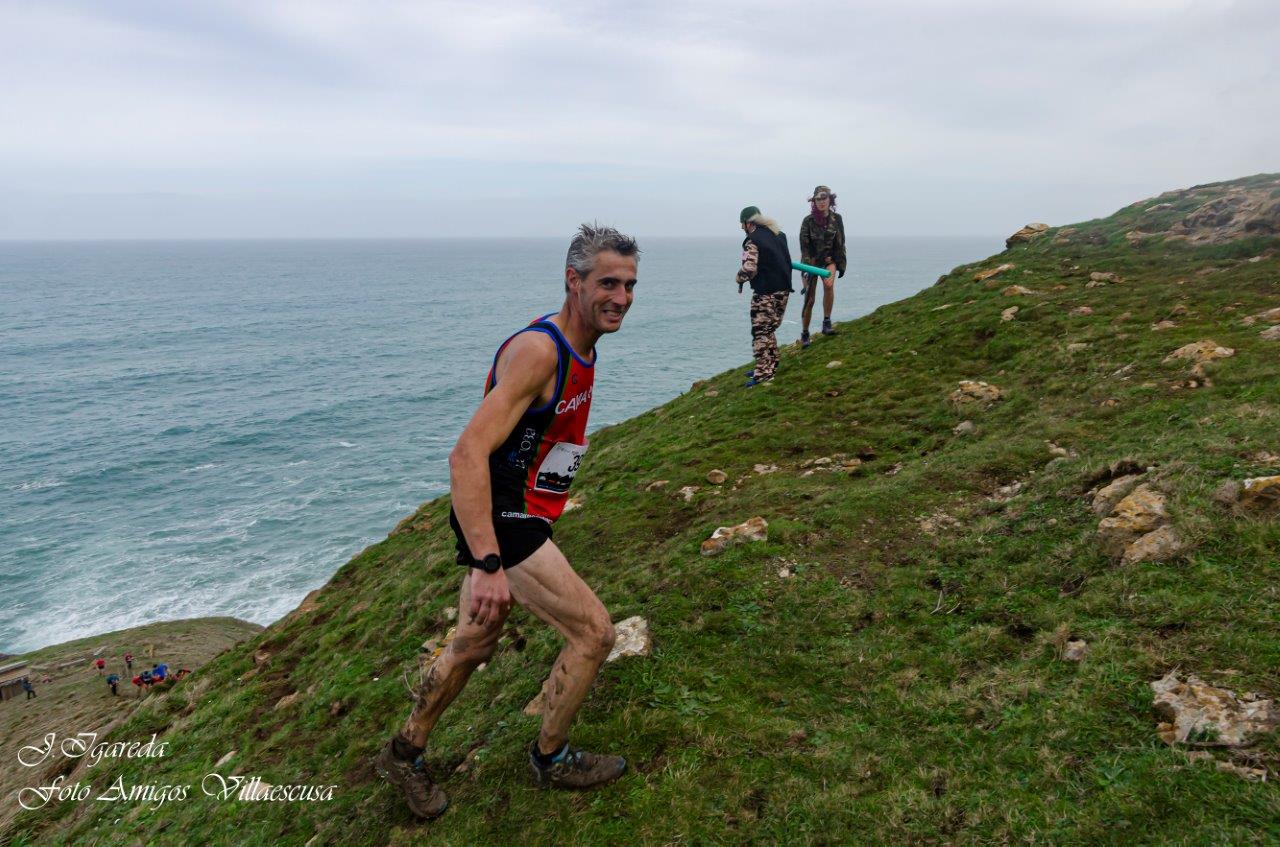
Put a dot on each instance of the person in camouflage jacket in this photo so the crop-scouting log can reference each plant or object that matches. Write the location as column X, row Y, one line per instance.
column 766, row 265
column 822, row 245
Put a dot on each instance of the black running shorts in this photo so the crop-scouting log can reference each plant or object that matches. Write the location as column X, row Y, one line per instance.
column 518, row 538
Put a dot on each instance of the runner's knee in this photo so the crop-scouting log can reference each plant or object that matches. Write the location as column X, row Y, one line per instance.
column 597, row 637
column 472, row 650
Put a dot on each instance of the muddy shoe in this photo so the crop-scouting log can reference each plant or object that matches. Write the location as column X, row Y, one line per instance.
column 426, row 799
column 576, row 769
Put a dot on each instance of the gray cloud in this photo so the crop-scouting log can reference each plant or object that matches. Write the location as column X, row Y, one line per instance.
column 407, row 118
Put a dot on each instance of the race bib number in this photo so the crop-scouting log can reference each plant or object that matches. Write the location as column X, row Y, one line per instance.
column 560, row 466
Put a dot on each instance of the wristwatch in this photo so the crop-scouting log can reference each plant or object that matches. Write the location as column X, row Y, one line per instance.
column 491, row 563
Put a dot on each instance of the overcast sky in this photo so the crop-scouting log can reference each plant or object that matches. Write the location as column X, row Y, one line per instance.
column 314, row 119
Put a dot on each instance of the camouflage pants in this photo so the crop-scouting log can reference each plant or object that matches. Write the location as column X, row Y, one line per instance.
column 766, row 315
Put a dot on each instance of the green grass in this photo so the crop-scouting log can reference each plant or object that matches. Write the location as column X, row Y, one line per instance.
column 902, row 687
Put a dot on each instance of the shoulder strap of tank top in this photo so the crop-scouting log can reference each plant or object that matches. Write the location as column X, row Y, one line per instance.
column 563, row 343
column 549, row 329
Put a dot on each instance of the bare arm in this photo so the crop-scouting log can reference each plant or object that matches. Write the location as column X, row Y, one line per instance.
column 524, row 370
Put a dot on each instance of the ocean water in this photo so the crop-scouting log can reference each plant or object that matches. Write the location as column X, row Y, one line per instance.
column 195, row 428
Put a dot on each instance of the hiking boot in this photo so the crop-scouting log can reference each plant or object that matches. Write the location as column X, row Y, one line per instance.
column 426, row 799
column 826, row 327
column 753, row 382
column 576, row 769
column 804, row 339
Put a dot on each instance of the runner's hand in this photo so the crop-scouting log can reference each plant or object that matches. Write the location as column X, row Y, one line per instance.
column 832, row 268
column 490, row 597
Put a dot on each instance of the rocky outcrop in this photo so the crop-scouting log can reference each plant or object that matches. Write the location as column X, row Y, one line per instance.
column 1261, row 493
column 1137, row 528
column 1027, row 233
column 631, row 639
column 1016, row 291
column 1199, row 352
column 972, row 392
column 990, row 273
column 1194, row 712
column 754, row 529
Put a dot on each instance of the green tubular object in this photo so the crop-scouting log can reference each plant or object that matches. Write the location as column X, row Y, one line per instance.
column 810, row 269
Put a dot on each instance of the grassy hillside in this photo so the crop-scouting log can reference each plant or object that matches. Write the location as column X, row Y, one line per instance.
column 75, row 698
column 887, row 667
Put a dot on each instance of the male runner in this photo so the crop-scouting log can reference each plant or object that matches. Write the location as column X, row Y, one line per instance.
column 511, row 470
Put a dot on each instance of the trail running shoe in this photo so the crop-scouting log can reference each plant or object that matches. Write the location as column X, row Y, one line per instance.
column 426, row 799
column 804, row 339
column 753, row 382
column 576, row 769
column 826, row 327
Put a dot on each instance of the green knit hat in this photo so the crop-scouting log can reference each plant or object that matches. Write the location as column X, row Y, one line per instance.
column 748, row 213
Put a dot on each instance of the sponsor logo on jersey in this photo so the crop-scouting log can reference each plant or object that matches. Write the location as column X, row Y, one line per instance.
column 582, row 398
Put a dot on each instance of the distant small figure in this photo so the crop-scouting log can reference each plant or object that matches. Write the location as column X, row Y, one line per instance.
column 27, row 687
column 113, row 681
column 181, row 673
column 100, row 664
column 128, row 661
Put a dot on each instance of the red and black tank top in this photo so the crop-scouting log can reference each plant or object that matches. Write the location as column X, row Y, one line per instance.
column 530, row 473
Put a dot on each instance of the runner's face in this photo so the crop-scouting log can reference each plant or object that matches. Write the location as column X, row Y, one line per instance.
column 606, row 294
column 823, row 203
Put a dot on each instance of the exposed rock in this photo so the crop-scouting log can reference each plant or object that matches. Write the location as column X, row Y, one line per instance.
column 755, row 529
column 1016, row 291
column 943, row 306
column 712, row 392
column 964, row 428
column 534, row 707
column 1063, row 452
column 765, row 469
column 260, row 657
column 1104, row 277
column 1199, row 352
column 1082, row 311
column 657, row 484
column 1077, row 346
column 1261, row 493
column 834, row 363
column 971, row 391
column 1270, row 316
column 574, row 502
column 1009, row 313
column 687, row 492
column 1141, row 511
column 1075, row 651
column 1106, row 498
column 983, row 276
column 225, row 758
column 632, row 639
column 1025, row 234
column 450, row 613
column 1180, row 309
column 1195, row 712
column 1231, row 213
column 716, row 477
column 287, row 701
column 1160, row 326
column 1270, row 333
column 1159, row 545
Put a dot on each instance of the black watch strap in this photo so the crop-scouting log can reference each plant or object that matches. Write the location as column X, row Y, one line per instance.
column 491, row 563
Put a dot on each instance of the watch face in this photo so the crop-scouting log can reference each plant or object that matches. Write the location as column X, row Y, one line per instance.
column 492, row 563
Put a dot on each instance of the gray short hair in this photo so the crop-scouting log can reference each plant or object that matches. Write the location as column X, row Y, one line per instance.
column 590, row 240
